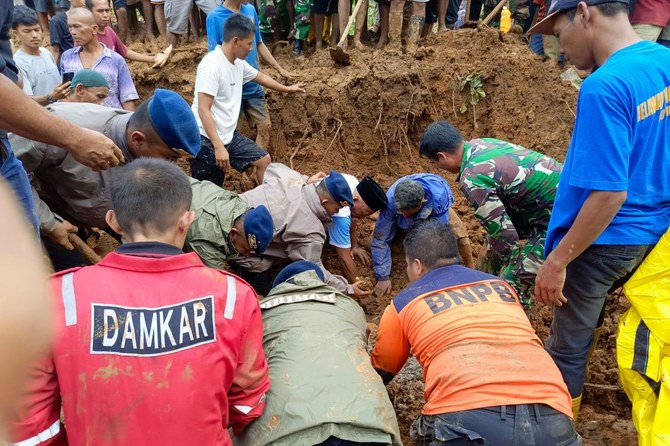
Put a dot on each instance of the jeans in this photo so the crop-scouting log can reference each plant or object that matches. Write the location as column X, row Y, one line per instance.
column 11, row 169
column 589, row 278
column 519, row 425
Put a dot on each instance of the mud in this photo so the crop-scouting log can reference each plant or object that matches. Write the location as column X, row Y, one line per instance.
column 367, row 118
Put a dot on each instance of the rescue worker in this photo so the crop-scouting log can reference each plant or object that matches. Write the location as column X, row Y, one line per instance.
column 324, row 390
column 369, row 197
column 413, row 199
column 225, row 226
column 299, row 211
column 512, row 191
column 71, row 194
column 152, row 346
column 488, row 380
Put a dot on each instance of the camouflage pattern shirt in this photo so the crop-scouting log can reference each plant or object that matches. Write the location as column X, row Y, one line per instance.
column 511, row 188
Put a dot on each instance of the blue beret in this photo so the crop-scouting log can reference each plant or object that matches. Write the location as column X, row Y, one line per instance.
column 174, row 122
column 296, row 268
column 339, row 188
column 259, row 229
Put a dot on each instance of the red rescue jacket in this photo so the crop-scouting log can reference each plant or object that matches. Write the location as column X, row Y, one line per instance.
column 152, row 349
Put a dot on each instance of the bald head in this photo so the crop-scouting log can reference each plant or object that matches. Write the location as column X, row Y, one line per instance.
column 81, row 15
column 82, row 26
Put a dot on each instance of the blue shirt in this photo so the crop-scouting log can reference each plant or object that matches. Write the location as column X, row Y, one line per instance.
column 439, row 199
column 215, row 21
column 621, row 142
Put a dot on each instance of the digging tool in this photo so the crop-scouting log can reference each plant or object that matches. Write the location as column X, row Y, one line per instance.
column 84, row 249
column 495, row 12
column 338, row 54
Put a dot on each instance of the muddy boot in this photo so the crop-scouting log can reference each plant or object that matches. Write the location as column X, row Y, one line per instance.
column 415, row 27
column 576, row 405
column 297, row 47
column 395, row 30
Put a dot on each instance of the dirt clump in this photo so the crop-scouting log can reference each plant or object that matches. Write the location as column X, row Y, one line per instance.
column 367, row 119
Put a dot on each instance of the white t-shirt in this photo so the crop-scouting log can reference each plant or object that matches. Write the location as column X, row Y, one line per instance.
column 217, row 77
column 40, row 73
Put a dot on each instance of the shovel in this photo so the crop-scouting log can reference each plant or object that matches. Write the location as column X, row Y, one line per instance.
column 338, row 54
column 84, row 249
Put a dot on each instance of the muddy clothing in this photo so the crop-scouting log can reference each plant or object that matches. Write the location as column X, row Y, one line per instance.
column 302, row 24
column 512, row 190
column 438, row 202
column 215, row 210
column 472, row 338
column 298, row 218
column 323, row 383
column 65, row 186
column 152, row 348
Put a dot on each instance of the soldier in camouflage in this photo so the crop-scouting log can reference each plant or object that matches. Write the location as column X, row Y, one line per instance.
column 512, row 190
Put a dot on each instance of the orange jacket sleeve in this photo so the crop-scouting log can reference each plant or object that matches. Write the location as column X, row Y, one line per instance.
column 392, row 347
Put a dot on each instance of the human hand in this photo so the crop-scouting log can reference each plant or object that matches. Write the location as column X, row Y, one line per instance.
column 161, row 58
column 222, row 158
column 296, row 88
column 316, row 177
column 60, row 234
column 285, row 73
column 358, row 292
column 549, row 283
column 95, row 150
column 382, row 288
column 362, row 255
column 61, row 91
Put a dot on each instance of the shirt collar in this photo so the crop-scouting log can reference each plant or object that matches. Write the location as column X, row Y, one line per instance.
column 467, row 148
column 312, row 199
column 148, row 249
column 118, row 127
column 106, row 52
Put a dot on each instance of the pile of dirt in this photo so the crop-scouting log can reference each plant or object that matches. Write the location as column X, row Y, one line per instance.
column 367, row 118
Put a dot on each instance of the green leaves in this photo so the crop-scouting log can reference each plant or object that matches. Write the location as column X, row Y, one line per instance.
column 473, row 94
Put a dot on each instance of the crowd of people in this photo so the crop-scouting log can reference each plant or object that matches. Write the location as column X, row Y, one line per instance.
column 215, row 320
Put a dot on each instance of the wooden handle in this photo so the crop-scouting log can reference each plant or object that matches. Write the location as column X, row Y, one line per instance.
column 83, row 248
column 354, row 13
column 495, row 11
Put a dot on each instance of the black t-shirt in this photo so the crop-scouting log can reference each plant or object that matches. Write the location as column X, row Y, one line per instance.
column 60, row 35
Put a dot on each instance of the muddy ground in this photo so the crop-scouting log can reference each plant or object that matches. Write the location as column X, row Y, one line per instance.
column 367, row 118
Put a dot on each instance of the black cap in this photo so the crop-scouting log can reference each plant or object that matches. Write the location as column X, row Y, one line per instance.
column 546, row 25
column 372, row 193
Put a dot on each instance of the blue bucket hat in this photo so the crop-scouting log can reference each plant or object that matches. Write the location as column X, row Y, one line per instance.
column 174, row 122
column 339, row 188
column 546, row 25
column 296, row 268
column 258, row 229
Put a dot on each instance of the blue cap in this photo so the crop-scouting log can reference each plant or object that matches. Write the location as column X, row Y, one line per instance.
column 174, row 122
column 258, row 229
column 296, row 268
column 339, row 188
column 546, row 25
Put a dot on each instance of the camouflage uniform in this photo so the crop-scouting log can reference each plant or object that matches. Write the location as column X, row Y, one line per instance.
column 512, row 190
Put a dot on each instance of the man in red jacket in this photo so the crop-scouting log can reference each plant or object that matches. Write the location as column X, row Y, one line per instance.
column 153, row 348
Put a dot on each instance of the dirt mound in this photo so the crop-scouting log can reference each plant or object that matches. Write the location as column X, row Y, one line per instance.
column 367, row 118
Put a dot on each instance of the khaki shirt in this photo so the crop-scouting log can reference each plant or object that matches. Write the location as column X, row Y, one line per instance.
column 63, row 185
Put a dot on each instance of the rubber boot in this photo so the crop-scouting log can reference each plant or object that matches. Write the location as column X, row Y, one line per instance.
column 297, row 47
column 395, row 30
column 415, row 27
column 576, row 405
column 596, row 335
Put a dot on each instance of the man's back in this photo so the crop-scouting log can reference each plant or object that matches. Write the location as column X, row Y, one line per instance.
column 472, row 338
column 155, row 349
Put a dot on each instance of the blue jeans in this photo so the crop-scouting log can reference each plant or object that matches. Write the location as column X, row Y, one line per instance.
column 11, row 169
column 589, row 279
column 520, row 425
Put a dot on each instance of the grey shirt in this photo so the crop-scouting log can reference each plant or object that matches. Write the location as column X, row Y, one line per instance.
column 40, row 73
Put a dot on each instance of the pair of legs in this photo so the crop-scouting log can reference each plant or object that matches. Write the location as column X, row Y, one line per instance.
column 344, row 9
column 322, row 8
column 255, row 109
column 121, row 11
column 442, row 12
column 177, row 13
column 44, row 9
column 395, row 23
column 154, row 13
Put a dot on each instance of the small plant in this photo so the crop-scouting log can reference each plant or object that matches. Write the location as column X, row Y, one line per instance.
column 473, row 95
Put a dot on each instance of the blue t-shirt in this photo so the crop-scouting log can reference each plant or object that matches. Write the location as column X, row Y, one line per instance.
column 215, row 21
column 621, row 142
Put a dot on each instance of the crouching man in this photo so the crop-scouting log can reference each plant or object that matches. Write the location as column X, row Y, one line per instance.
column 324, row 389
column 488, row 378
column 152, row 346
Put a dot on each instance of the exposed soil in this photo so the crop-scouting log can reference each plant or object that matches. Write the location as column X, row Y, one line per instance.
column 367, row 118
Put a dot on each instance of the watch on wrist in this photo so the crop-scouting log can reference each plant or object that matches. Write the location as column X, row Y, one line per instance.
column 50, row 99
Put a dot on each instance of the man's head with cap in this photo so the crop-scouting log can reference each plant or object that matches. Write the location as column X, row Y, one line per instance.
column 163, row 127
column 252, row 232
column 583, row 25
column 369, row 197
column 296, row 268
column 88, row 86
column 409, row 196
column 334, row 193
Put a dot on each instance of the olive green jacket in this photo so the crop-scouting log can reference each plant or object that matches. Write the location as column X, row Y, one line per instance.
column 322, row 381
